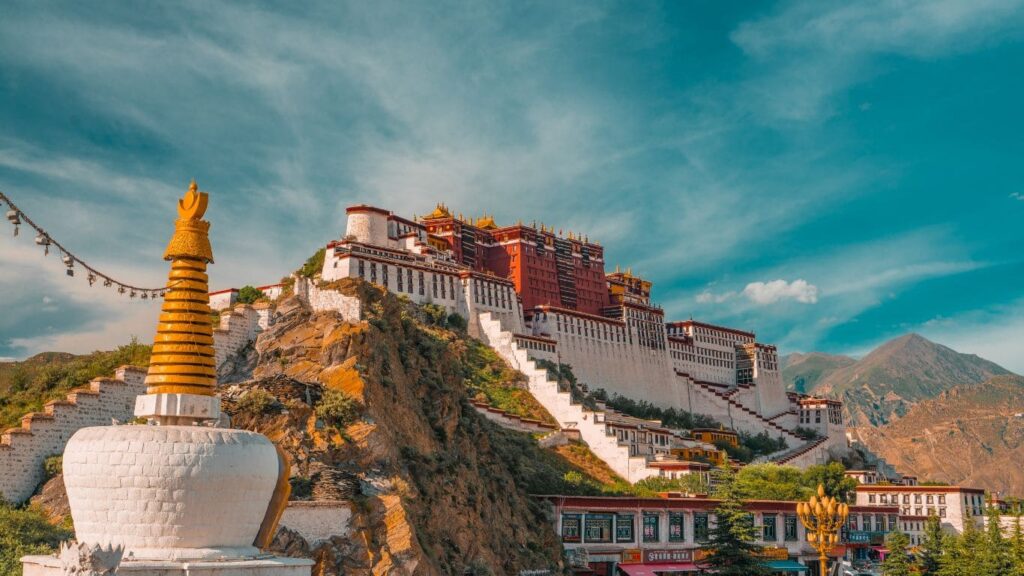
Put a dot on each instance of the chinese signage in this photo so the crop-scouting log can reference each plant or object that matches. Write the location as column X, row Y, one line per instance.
column 774, row 553
column 656, row 556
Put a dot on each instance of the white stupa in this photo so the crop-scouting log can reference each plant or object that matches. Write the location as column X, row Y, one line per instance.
column 176, row 496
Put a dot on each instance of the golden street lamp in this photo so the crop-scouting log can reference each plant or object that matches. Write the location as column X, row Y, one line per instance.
column 822, row 517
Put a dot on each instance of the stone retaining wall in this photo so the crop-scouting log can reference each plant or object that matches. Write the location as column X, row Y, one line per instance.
column 43, row 434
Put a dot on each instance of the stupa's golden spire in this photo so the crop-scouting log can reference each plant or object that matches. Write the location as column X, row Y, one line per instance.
column 183, row 358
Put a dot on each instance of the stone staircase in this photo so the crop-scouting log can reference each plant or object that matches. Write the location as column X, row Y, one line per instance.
column 724, row 397
column 793, row 456
column 570, row 415
column 43, row 434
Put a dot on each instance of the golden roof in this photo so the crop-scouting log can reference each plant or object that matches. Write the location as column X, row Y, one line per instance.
column 486, row 222
column 441, row 211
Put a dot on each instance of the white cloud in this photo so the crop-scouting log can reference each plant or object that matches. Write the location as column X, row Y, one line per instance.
column 763, row 293
column 708, row 297
column 1017, row 196
column 777, row 290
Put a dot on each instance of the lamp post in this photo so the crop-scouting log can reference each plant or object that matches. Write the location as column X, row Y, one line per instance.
column 822, row 516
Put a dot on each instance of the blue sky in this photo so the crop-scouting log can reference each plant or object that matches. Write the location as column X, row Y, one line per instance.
column 827, row 174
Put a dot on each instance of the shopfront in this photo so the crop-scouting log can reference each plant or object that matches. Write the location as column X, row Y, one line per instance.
column 657, row 562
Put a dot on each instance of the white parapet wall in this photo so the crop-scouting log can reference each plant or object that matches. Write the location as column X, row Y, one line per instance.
column 326, row 300
column 589, row 424
column 238, row 327
column 43, row 434
column 318, row 521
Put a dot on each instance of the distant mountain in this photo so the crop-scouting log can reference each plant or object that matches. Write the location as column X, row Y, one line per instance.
column 893, row 377
column 972, row 434
column 802, row 372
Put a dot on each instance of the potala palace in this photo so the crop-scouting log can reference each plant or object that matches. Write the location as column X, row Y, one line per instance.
column 534, row 294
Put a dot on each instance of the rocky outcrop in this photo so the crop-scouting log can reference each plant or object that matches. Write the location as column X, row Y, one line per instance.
column 431, row 489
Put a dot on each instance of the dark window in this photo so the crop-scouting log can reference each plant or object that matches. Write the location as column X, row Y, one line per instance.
column 384, row 274
column 408, row 278
column 421, row 284
column 598, row 528
column 676, row 532
column 570, row 527
column 700, row 527
column 769, row 529
column 650, row 527
column 624, row 528
column 362, row 269
column 373, row 272
column 401, row 284
column 790, row 527
column 434, row 278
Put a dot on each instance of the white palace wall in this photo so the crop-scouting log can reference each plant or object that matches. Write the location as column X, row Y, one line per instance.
column 43, row 434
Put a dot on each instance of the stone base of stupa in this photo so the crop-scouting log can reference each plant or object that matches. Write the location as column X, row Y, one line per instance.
column 258, row 566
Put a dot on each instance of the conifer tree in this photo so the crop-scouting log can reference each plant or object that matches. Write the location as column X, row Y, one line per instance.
column 971, row 545
column 994, row 555
column 897, row 563
column 731, row 550
column 952, row 558
column 1017, row 547
column 931, row 547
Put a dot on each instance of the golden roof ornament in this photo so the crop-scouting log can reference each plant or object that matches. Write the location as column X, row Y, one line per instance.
column 486, row 222
column 441, row 211
column 182, row 361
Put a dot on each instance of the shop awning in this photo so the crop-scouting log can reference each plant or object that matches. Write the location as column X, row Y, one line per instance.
column 656, row 569
column 786, row 566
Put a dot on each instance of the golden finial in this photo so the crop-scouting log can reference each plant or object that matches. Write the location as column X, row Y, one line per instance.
column 182, row 361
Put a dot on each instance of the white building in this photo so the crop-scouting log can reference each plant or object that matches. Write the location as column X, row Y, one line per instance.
column 954, row 505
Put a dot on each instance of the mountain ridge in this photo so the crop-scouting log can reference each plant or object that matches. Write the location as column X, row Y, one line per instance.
column 893, row 377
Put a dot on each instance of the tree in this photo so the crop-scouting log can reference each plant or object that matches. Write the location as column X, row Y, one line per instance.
column 897, row 563
column 1017, row 547
column 952, row 558
column 994, row 553
column 931, row 547
column 730, row 549
column 833, row 476
column 963, row 553
column 248, row 295
column 771, row 482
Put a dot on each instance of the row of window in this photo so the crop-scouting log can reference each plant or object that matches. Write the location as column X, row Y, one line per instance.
column 404, row 280
column 895, row 498
column 607, row 527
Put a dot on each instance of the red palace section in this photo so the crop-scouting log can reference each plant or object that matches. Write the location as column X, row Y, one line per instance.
column 547, row 269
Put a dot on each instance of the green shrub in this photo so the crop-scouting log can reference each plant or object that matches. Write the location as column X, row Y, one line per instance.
column 53, row 466
column 302, row 487
column 249, row 294
column 255, row 402
column 338, row 408
column 457, row 322
column 25, row 531
column 314, row 264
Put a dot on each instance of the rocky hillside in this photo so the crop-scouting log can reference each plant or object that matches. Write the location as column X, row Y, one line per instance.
column 900, row 373
column 378, row 413
column 802, row 372
column 25, row 386
column 971, row 434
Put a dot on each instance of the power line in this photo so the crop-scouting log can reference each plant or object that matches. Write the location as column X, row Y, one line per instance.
column 17, row 218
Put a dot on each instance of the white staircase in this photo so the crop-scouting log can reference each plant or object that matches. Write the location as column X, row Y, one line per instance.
column 570, row 415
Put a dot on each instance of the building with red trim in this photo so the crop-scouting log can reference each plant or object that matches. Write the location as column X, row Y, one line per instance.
column 625, row 535
column 537, row 294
